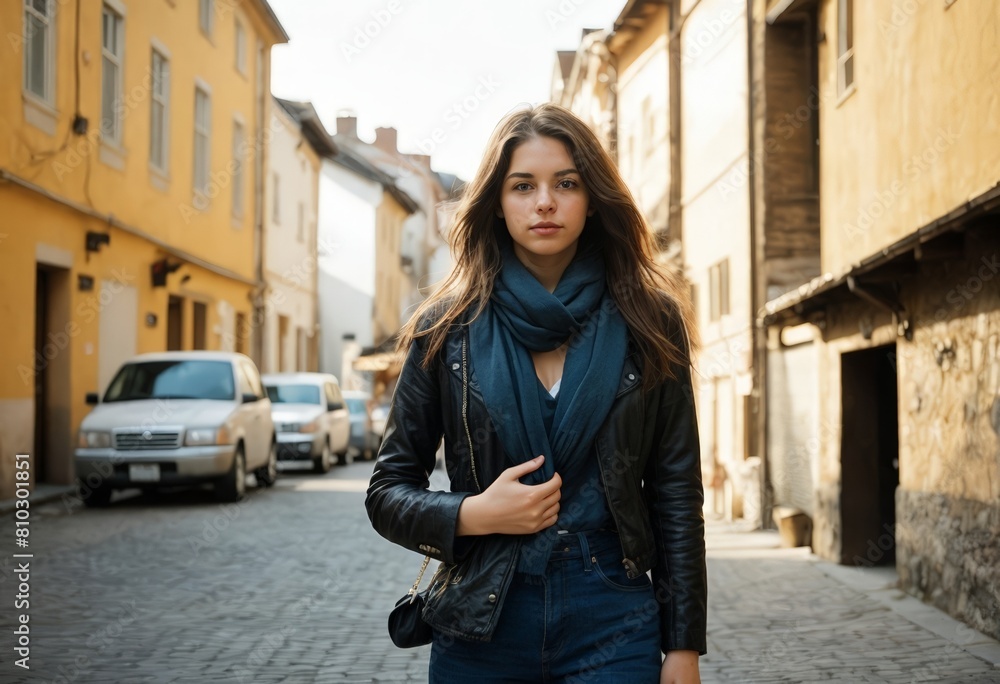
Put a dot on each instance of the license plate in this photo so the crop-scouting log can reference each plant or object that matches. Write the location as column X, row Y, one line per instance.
column 144, row 473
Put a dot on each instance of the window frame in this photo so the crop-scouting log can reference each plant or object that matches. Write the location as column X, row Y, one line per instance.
column 300, row 229
column 275, row 193
column 239, row 160
column 48, row 96
column 116, row 135
column 240, row 40
column 206, row 17
column 206, row 131
column 845, row 47
column 718, row 290
column 161, row 99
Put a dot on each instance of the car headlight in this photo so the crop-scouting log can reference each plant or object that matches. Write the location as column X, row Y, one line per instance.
column 91, row 439
column 309, row 427
column 206, row 436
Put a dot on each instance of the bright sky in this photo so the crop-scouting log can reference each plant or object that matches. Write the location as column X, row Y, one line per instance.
column 444, row 68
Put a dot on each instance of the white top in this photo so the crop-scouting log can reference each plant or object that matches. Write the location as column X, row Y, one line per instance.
column 555, row 388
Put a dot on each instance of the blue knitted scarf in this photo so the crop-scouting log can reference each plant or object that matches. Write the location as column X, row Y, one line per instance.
column 521, row 316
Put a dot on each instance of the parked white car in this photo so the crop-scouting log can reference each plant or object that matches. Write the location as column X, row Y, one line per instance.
column 363, row 440
column 310, row 417
column 177, row 418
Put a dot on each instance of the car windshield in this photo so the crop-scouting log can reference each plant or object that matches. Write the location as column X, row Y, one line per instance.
column 293, row 394
column 357, row 405
column 173, row 380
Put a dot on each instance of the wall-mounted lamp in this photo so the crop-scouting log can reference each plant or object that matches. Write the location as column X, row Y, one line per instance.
column 160, row 269
column 95, row 240
column 84, row 283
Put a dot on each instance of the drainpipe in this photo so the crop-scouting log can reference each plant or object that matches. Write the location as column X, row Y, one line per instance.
column 674, row 214
column 758, row 285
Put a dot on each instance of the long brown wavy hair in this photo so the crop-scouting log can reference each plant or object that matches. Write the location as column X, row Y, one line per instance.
column 644, row 291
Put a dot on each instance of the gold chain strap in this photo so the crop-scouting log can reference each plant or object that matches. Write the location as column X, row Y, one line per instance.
column 420, row 576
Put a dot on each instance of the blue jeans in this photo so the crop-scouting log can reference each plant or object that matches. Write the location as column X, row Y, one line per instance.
column 586, row 622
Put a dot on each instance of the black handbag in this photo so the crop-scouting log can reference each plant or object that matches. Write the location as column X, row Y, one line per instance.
column 407, row 628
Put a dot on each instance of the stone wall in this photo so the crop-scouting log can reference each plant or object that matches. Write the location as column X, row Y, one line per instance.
column 948, row 554
column 948, row 500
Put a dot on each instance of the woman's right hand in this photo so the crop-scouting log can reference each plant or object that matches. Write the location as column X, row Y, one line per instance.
column 509, row 507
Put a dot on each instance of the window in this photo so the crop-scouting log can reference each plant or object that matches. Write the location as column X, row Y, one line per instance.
column 254, row 378
column 160, row 72
column 39, row 44
column 275, row 209
column 845, row 38
column 202, row 131
column 241, row 48
column 301, row 236
column 206, row 10
column 648, row 125
column 718, row 286
column 241, row 332
column 243, row 379
column 238, row 160
column 112, row 49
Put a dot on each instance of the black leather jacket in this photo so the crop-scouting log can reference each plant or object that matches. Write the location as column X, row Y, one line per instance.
column 650, row 465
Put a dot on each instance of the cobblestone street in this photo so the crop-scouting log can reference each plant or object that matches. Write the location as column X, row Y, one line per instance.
column 292, row 585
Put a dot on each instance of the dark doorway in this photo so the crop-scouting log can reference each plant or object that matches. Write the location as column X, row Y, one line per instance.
column 869, row 456
column 175, row 324
column 200, row 324
column 41, row 373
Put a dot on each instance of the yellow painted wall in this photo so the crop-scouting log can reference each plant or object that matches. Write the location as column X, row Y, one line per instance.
column 918, row 136
column 389, row 277
column 644, row 147
column 75, row 170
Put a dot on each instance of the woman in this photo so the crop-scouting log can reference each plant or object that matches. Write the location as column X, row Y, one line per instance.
column 554, row 362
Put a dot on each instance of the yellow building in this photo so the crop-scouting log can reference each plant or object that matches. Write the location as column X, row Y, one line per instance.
column 136, row 137
column 906, row 313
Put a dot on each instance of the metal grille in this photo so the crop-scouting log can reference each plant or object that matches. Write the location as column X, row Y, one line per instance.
column 147, row 440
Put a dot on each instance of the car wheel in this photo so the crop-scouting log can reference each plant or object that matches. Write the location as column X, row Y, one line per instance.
column 98, row 497
column 267, row 474
column 233, row 485
column 322, row 463
column 344, row 458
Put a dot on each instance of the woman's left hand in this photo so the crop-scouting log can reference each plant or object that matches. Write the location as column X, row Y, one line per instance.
column 680, row 667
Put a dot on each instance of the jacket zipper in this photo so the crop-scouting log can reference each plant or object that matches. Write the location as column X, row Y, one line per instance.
column 465, row 411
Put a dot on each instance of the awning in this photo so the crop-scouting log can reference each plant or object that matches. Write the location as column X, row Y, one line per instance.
column 867, row 279
column 377, row 362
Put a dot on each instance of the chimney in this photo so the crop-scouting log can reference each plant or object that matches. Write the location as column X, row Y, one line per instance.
column 347, row 126
column 423, row 160
column 385, row 139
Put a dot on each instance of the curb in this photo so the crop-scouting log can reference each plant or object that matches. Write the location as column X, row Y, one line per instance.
column 40, row 495
column 881, row 586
